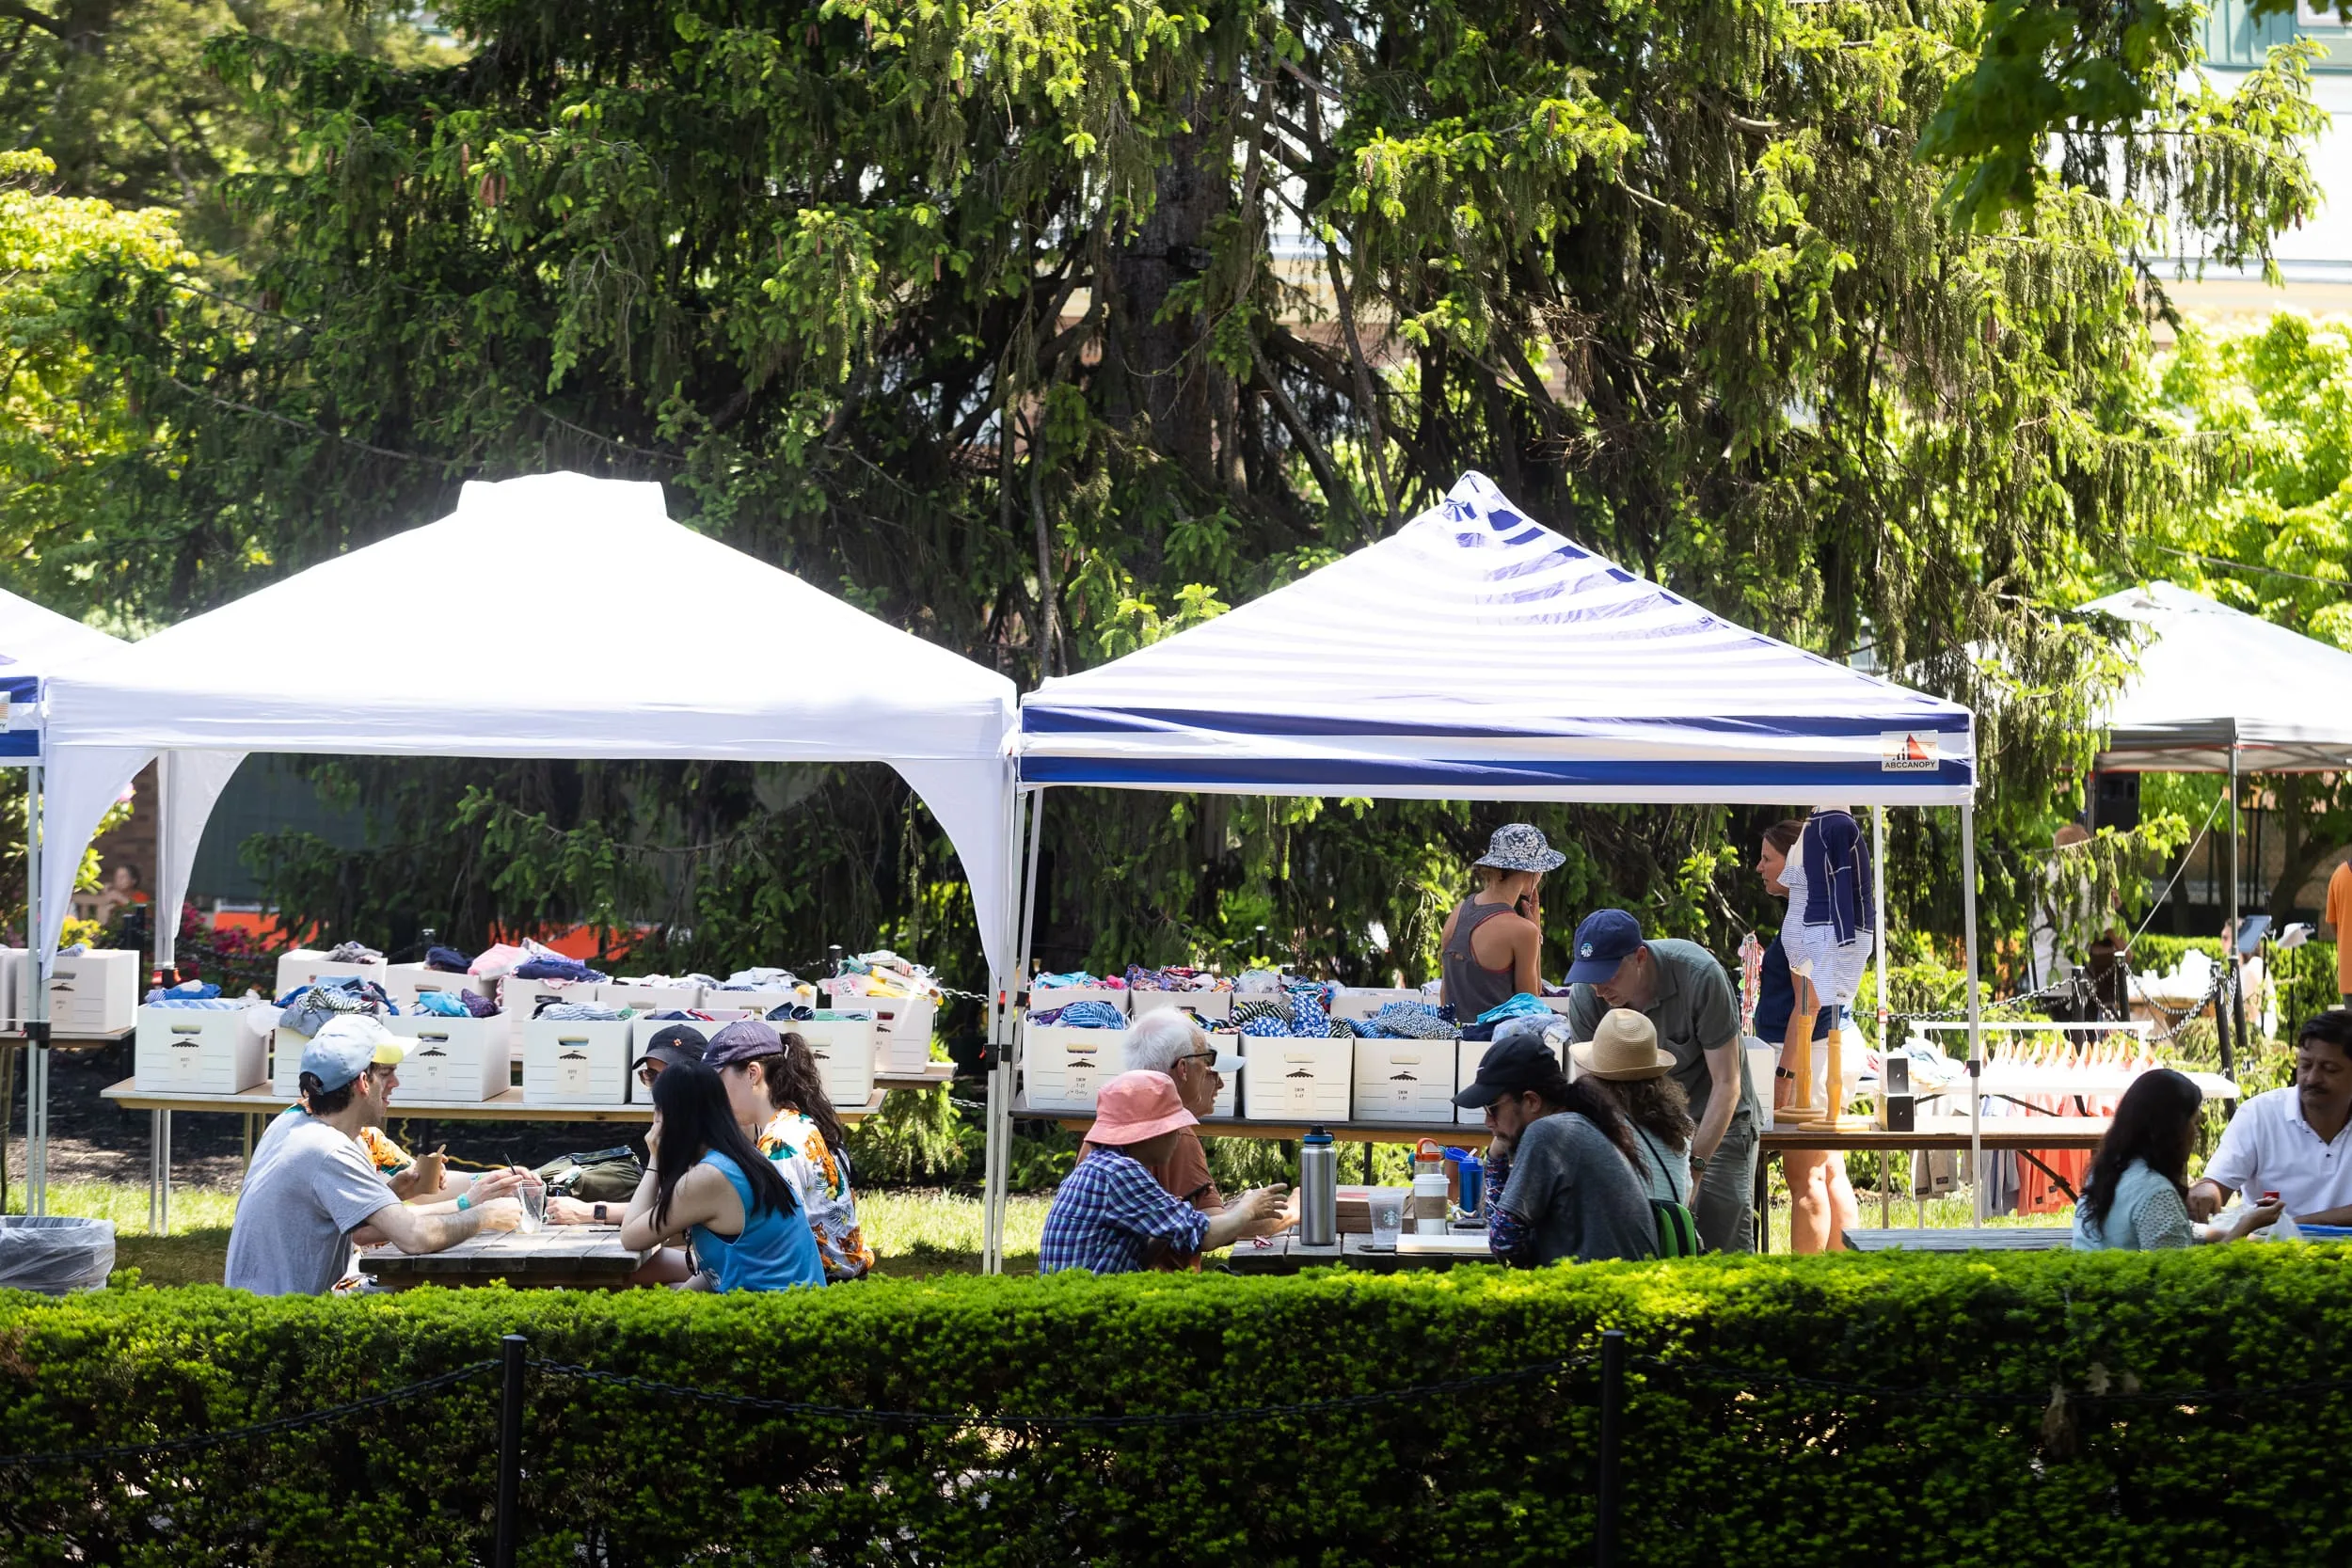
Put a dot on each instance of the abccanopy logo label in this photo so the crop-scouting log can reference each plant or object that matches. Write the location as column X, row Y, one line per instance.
column 1908, row 751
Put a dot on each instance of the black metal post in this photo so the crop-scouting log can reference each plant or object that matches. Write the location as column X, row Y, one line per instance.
column 1611, row 1433
column 510, row 1449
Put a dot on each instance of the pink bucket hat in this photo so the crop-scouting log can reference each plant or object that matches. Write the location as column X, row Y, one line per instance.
column 1138, row 1105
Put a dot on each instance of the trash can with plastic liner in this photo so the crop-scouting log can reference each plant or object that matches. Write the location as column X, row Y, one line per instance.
column 53, row 1254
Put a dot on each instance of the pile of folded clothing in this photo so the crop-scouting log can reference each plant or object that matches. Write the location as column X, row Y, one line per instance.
column 1081, row 1015
column 1175, row 978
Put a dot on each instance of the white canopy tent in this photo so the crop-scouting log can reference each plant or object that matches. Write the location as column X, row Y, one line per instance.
column 1476, row 655
column 551, row 616
column 35, row 643
column 2217, row 690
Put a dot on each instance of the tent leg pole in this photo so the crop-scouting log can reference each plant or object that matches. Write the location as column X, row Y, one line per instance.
column 164, row 934
column 1976, row 1012
column 35, row 1008
column 2229, row 947
column 1000, row 1081
column 1878, row 897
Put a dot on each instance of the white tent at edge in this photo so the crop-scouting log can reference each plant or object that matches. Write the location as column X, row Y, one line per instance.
column 556, row 615
column 1476, row 655
column 2217, row 690
column 35, row 643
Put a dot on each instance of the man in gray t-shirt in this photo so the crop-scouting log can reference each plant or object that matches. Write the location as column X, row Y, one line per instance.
column 1569, row 1193
column 1685, row 993
column 311, row 1185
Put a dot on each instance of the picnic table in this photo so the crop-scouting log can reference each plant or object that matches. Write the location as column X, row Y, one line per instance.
column 1288, row 1254
column 570, row 1257
column 1991, row 1238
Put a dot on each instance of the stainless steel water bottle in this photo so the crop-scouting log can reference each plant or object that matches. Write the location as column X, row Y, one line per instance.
column 1318, row 1190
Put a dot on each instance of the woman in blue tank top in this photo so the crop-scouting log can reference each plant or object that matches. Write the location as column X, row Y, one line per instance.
column 707, row 1181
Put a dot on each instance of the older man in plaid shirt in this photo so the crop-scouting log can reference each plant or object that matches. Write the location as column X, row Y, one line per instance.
column 1109, row 1216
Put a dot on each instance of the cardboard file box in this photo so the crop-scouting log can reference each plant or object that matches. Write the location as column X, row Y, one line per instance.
column 193, row 1050
column 1046, row 1001
column 1405, row 1081
column 1209, row 1007
column 405, row 983
column 93, row 993
column 756, row 1004
column 1299, row 1080
column 1364, row 1000
column 683, row 996
column 307, row 966
column 844, row 1049
column 453, row 1061
column 1228, row 1099
column 1062, row 1068
column 285, row 1064
column 577, row 1064
column 1466, row 1055
column 902, row 1030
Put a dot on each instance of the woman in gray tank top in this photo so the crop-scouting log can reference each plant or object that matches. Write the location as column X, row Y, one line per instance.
column 1507, row 907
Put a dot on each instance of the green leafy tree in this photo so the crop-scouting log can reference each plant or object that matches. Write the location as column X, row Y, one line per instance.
column 1019, row 322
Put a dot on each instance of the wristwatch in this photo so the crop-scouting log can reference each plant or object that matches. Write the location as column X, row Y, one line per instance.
column 601, row 1214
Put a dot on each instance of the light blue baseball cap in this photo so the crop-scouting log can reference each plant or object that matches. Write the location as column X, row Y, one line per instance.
column 347, row 1045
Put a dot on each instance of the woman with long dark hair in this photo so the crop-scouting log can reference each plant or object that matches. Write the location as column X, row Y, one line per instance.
column 780, row 1102
column 2137, row 1197
column 1788, row 1012
column 706, row 1182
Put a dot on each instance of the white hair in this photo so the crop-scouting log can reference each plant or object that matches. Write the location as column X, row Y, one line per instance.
column 1159, row 1037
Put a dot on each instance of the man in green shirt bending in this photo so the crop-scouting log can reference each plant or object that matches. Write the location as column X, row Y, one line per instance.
column 1681, row 987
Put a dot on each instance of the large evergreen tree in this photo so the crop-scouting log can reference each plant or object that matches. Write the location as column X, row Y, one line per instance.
column 1040, row 324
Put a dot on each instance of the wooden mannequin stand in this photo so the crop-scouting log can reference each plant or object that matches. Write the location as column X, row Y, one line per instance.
column 1835, row 1120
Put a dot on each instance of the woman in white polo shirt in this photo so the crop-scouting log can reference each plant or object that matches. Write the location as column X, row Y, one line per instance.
column 2296, row 1142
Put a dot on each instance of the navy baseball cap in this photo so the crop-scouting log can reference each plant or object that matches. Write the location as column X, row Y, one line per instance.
column 1605, row 939
column 744, row 1040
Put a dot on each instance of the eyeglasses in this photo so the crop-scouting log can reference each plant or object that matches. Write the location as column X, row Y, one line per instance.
column 1196, row 1056
column 647, row 1073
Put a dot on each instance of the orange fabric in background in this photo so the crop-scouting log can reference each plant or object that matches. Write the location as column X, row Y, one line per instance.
column 2339, row 917
column 582, row 941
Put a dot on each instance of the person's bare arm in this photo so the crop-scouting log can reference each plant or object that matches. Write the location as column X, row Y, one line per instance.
column 1527, row 957
column 2206, row 1197
column 1445, row 936
column 701, row 1197
column 415, row 1230
column 1241, row 1217
column 1722, row 1098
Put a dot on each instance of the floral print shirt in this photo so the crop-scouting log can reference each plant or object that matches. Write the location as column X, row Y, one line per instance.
column 821, row 1183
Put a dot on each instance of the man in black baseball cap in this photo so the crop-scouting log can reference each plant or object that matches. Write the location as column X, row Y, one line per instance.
column 1567, row 1191
column 668, row 1047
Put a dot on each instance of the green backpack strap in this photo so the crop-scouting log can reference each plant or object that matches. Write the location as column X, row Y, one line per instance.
column 1677, row 1229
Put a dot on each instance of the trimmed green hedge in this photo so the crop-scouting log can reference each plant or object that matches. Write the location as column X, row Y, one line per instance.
column 1975, row 1464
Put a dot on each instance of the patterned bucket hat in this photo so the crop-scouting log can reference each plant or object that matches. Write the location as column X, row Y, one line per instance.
column 1521, row 846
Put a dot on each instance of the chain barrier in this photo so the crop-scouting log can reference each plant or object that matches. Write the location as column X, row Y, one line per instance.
column 1743, row 1378
column 868, row 1416
column 259, row 1428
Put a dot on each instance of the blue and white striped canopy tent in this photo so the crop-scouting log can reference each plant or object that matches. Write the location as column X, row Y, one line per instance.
column 1476, row 655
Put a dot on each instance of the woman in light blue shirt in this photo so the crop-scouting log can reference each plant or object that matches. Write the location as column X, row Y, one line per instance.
column 2137, row 1197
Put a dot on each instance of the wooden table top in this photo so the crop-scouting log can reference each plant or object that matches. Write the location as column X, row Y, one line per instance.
column 508, row 1107
column 2021, row 1131
column 2017, row 1238
column 1287, row 1255
column 560, row 1253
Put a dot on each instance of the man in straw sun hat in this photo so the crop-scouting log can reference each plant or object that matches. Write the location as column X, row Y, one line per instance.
column 1109, row 1216
column 1622, row 1058
column 1491, row 949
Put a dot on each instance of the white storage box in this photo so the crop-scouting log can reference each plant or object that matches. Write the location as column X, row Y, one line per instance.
column 307, row 966
column 1210, row 1007
column 1299, row 1080
column 1361, row 1002
column 1405, row 1081
column 453, row 1061
column 1563, row 1005
column 1466, row 1055
column 285, row 1064
column 11, row 986
column 577, row 1064
column 756, row 1004
column 198, row 1051
column 683, row 996
column 93, row 993
column 405, row 983
column 519, row 999
column 844, row 1049
column 1046, row 1000
column 1228, row 1099
column 902, row 1032
column 1062, row 1068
